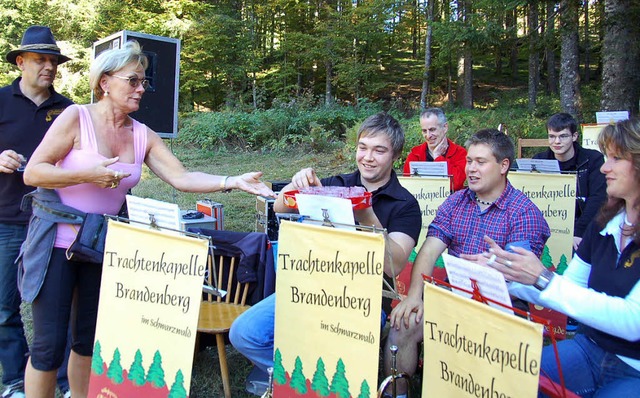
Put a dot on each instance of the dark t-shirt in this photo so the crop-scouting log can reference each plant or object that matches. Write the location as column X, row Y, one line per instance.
column 396, row 208
column 22, row 127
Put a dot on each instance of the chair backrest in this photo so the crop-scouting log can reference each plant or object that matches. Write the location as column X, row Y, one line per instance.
column 224, row 267
column 531, row 142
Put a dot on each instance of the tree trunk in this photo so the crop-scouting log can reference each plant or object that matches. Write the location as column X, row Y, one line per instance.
column 587, row 45
column 570, row 100
column 460, row 79
column 621, row 56
column 415, row 29
column 534, row 56
column 467, row 96
column 328, row 95
column 467, row 100
column 427, row 57
column 498, row 48
column 254, row 90
column 449, row 81
column 550, row 48
column 511, row 21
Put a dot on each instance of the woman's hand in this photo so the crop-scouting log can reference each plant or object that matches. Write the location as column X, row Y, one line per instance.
column 250, row 183
column 521, row 265
column 107, row 177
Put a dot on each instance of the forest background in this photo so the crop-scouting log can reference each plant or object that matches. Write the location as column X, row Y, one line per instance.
column 277, row 85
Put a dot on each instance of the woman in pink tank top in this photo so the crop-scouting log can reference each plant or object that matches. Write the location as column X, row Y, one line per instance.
column 92, row 155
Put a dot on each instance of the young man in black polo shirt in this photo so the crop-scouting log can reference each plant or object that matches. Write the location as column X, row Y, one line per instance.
column 591, row 188
column 380, row 143
column 27, row 108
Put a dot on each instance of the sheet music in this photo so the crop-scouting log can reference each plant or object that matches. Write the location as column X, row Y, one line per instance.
column 429, row 168
column 611, row 117
column 541, row 165
column 491, row 282
column 166, row 215
column 338, row 210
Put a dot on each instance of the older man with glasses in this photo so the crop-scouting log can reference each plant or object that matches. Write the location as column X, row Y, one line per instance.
column 591, row 185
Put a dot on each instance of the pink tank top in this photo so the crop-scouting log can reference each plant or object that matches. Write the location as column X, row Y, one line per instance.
column 89, row 197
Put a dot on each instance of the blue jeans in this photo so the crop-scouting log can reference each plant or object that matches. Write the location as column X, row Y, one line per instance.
column 252, row 333
column 589, row 371
column 13, row 345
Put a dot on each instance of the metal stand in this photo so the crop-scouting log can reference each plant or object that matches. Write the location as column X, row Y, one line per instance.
column 391, row 379
column 269, row 392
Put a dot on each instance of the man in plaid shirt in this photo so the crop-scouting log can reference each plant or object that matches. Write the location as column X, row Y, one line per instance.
column 490, row 206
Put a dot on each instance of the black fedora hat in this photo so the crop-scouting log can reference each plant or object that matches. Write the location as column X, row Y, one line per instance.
column 37, row 39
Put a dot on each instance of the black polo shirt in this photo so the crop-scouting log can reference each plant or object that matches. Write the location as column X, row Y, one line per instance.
column 615, row 278
column 22, row 127
column 396, row 208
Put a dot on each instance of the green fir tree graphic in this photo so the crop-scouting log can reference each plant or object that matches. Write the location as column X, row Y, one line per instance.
column 298, row 380
column 320, row 383
column 114, row 372
column 136, row 371
column 562, row 265
column 546, row 259
column 279, row 374
column 339, row 383
column 155, row 375
column 177, row 389
column 96, row 360
column 364, row 390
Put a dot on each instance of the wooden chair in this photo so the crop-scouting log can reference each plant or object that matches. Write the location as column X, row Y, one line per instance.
column 216, row 315
column 531, row 142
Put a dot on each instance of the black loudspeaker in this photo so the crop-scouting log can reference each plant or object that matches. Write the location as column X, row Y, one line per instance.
column 159, row 106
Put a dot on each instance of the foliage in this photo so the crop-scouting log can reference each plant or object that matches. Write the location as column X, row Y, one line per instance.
column 114, row 372
column 286, row 125
column 250, row 55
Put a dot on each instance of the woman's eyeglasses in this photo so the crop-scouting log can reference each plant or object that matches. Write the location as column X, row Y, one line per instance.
column 134, row 81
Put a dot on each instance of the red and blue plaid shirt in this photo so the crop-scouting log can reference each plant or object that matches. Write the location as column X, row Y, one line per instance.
column 513, row 218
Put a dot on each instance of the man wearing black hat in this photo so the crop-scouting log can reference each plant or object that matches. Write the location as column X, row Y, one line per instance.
column 27, row 108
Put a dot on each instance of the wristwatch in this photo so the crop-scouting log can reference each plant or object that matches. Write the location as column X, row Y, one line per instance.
column 544, row 279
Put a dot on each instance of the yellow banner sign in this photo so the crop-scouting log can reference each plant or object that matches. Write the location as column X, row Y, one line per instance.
column 473, row 350
column 328, row 306
column 430, row 193
column 590, row 135
column 148, row 313
column 555, row 196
